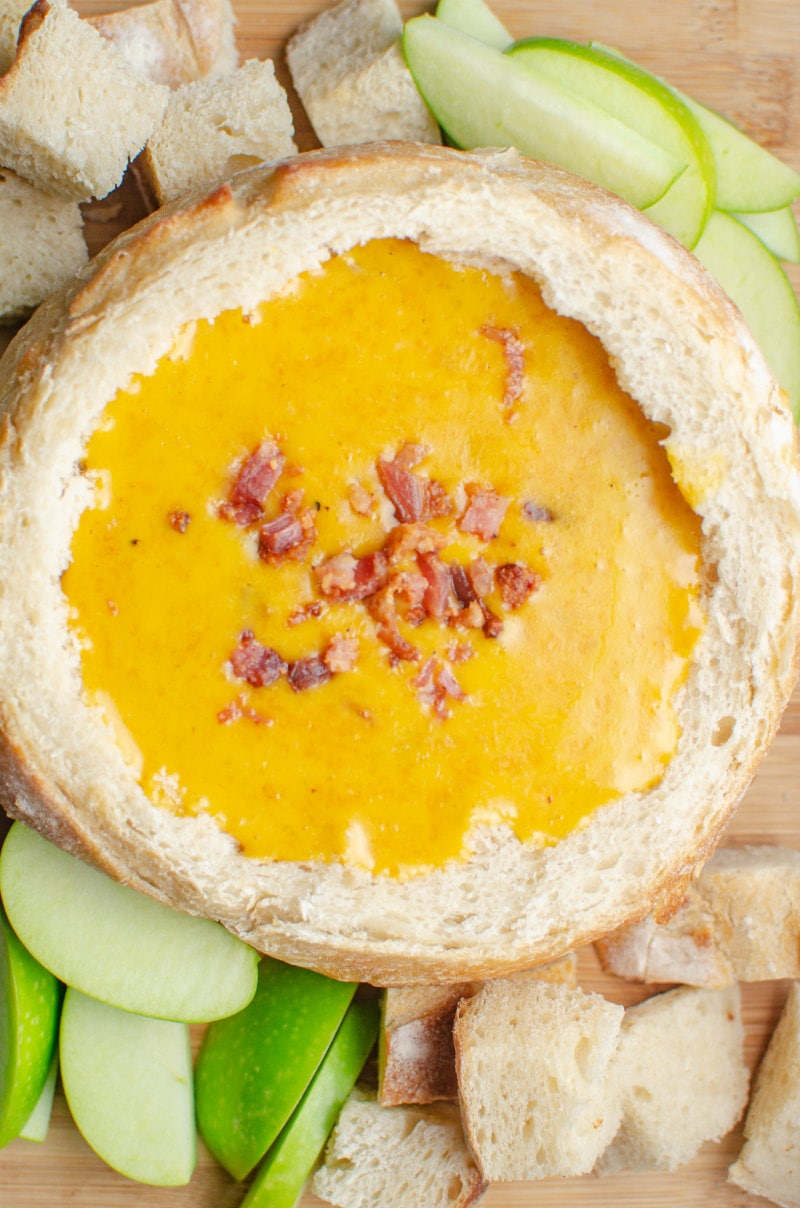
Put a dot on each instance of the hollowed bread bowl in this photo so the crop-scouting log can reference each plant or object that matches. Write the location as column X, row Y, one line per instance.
column 677, row 346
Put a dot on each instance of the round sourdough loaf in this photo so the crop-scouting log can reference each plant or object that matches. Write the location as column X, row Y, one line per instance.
column 678, row 347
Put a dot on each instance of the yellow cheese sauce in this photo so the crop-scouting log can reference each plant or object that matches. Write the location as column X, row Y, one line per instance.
column 566, row 704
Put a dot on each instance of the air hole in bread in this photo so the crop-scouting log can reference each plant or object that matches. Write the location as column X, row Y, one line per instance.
column 722, row 731
column 583, row 1051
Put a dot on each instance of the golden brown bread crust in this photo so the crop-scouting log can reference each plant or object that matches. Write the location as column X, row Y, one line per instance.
column 677, row 344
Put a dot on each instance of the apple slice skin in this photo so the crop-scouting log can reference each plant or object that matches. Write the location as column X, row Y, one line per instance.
column 755, row 281
column 749, row 178
column 37, row 1126
column 128, row 1083
column 280, row 1179
column 253, row 1068
column 116, row 944
column 649, row 107
column 482, row 98
column 30, row 1001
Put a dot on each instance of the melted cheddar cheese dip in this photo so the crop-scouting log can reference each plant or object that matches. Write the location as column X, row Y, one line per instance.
column 390, row 559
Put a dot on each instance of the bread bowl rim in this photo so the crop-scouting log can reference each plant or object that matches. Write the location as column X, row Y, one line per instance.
column 498, row 210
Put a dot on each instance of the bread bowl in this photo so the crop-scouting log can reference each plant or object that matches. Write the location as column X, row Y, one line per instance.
column 495, row 902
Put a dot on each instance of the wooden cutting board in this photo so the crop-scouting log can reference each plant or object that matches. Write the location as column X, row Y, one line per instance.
column 743, row 58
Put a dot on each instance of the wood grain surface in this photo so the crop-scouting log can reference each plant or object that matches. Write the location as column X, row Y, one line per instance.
column 743, row 58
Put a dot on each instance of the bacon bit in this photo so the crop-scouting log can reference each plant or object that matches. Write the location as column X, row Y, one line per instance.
column 257, row 665
column 341, row 653
column 308, row 673
column 179, row 521
column 435, row 683
column 414, row 497
column 254, row 480
column 410, row 586
column 383, row 611
column 460, row 652
column 112, row 608
column 290, row 535
column 410, row 455
column 492, row 624
column 473, row 616
column 359, row 499
column 439, row 599
column 480, row 577
column 408, row 539
column 514, row 353
column 240, row 709
column 344, row 577
column 535, row 511
column 484, row 512
column 304, row 613
column 516, row 583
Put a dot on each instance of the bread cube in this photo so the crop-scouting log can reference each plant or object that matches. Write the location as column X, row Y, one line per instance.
column 769, row 1162
column 41, row 245
column 536, row 1078
column 682, row 1078
column 348, row 68
column 72, row 114
column 213, row 128
column 173, row 41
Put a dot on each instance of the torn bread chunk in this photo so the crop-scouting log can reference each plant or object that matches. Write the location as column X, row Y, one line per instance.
column 72, row 114
column 682, row 1077
column 213, row 128
column 739, row 921
column 398, row 1157
column 173, row 42
column 417, row 1060
column 769, row 1162
column 11, row 14
column 41, row 245
column 348, row 68
column 537, row 1079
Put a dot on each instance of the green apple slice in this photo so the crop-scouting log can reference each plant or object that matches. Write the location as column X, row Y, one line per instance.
column 646, row 105
column 475, row 18
column 760, row 288
column 253, row 1068
column 483, row 98
column 285, row 1171
column 30, row 999
column 37, row 1126
column 777, row 230
column 749, row 178
column 114, row 943
column 128, row 1084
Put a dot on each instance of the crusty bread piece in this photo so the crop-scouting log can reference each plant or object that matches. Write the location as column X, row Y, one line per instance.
column 682, row 1076
column 71, row 112
column 679, row 348
column 739, row 921
column 349, row 71
column 11, row 14
column 213, row 128
column 536, row 1078
column 769, row 1162
column 41, row 245
column 173, row 42
column 417, row 1058
column 398, row 1157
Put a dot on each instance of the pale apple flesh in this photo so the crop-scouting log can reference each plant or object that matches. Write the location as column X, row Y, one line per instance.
column 482, row 98
column 128, row 1084
column 116, row 944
